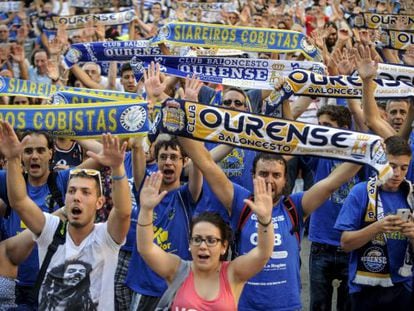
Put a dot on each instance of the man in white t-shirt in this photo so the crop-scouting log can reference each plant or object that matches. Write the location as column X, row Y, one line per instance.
column 80, row 274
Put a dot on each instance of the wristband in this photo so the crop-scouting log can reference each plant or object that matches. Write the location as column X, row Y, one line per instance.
column 265, row 225
column 146, row 225
column 118, row 177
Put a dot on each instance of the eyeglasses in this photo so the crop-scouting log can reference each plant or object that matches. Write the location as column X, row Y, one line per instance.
column 236, row 102
column 173, row 157
column 210, row 241
column 83, row 172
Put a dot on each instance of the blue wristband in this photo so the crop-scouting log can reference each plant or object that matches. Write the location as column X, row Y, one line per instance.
column 118, row 177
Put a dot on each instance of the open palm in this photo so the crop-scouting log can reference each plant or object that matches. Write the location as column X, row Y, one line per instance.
column 150, row 195
column 10, row 146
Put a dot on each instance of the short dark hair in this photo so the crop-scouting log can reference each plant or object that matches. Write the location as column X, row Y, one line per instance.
column 265, row 156
column 126, row 67
column 49, row 138
column 397, row 146
column 172, row 143
column 339, row 114
column 216, row 220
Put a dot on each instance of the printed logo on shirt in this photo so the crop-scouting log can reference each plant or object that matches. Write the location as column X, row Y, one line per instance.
column 161, row 238
column 233, row 163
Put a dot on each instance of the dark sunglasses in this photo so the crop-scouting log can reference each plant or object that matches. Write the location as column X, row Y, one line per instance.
column 236, row 102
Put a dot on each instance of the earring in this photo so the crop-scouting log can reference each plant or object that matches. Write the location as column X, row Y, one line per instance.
column 189, row 249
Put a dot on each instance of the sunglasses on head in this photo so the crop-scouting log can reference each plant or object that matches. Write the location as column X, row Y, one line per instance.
column 236, row 102
column 82, row 172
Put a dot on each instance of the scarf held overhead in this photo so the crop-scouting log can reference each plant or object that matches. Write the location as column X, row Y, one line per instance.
column 236, row 72
column 305, row 83
column 125, row 119
column 11, row 6
column 244, row 38
column 86, row 20
column 257, row 132
column 17, row 87
column 107, row 51
column 385, row 21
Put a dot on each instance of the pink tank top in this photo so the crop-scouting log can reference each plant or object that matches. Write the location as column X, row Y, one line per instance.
column 187, row 298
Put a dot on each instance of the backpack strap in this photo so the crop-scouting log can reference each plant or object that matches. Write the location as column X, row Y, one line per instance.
column 293, row 215
column 56, row 196
column 59, row 238
column 244, row 215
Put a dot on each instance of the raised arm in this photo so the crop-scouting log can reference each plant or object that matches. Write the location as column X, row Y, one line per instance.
column 367, row 69
column 217, row 180
column 83, row 77
column 163, row 263
column 321, row 191
column 139, row 163
column 244, row 267
column 203, row 160
column 28, row 211
column 113, row 155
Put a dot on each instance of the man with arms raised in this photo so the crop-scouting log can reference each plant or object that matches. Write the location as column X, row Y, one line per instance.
column 93, row 245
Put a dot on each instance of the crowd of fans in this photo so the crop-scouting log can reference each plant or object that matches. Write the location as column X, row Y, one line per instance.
column 173, row 179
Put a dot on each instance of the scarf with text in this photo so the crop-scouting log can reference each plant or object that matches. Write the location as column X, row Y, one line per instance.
column 237, row 72
column 394, row 72
column 86, row 20
column 397, row 40
column 88, row 4
column 384, row 21
column 70, row 97
column 17, row 87
column 373, row 266
column 10, row 6
column 267, row 134
column 305, row 83
column 243, row 38
column 124, row 119
column 107, row 51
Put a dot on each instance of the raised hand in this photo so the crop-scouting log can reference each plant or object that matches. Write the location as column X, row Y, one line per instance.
column 366, row 66
column 262, row 205
column 55, row 46
column 100, row 32
column 192, row 88
column 17, row 53
column 150, row 195
column 152, row 81
column 10, row 146
column 62, row 34
column 113, row 152
column 343, row 61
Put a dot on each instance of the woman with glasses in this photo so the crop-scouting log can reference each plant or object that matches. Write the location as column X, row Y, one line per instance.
column 207, row 282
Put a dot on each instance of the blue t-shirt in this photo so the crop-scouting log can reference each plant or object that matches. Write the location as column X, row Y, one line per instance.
column 351, row 218
column 277, row 286
column 208, row 202
column 171, row 232
column 322, row 221
column 27, row 271
column 237, row 165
